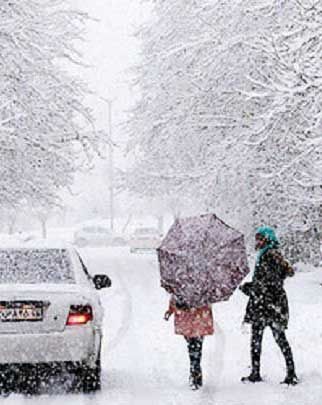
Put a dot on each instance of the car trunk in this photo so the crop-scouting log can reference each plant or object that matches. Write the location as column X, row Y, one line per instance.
column 38, row 309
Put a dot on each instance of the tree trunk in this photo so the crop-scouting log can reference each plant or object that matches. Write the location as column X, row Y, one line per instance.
column 161, row 224
column 44, row 229
column 127, row 223
column 11, row 225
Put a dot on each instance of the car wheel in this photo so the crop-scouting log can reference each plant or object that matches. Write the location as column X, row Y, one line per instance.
column 6, row 381
column 28, row 380
column 92, row 378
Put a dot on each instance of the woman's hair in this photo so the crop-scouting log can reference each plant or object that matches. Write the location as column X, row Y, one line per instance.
column 269, row 234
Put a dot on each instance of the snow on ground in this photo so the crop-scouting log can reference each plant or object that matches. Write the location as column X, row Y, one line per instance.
column 145, row 363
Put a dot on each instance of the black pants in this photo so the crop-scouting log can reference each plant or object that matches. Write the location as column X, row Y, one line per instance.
column 195, row 353
column 280, row 339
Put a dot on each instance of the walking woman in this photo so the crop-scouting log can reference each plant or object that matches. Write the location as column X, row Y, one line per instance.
column 268, row 305
column 194, row 324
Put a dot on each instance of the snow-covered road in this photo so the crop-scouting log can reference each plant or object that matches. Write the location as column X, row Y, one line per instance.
column 145, row 363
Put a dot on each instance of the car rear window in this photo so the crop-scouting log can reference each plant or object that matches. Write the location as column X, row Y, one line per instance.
column 35, row 266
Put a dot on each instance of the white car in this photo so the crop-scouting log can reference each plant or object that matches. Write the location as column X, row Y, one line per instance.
column 50, row 314
column 96, row 235
column 145, row 239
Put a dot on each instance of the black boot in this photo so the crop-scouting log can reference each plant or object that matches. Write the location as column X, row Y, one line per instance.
column 253, row 377
column 198, row 379
column 290, row 379
column 195, row 380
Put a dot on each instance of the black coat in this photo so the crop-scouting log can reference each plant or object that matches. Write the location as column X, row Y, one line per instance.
column 267, row 298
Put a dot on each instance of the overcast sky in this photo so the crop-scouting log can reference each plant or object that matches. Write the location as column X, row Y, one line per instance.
column 111, row 48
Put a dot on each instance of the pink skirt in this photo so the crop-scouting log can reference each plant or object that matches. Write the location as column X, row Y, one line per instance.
column 195, row 322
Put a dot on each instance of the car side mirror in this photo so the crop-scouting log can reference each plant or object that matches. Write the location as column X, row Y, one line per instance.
column 101, row 281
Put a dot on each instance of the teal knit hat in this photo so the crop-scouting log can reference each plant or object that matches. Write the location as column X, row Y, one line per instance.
column 269, row 234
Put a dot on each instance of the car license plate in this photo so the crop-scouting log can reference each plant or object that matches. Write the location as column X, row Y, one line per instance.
column 21, row 313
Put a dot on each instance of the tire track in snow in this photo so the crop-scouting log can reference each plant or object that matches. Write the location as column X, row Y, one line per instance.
column 127, row 315
column 122, row 292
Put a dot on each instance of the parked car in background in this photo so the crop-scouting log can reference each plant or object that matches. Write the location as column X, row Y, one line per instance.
column 96, row 235
column 50, row 317
column 27, row 236
column 145, row 238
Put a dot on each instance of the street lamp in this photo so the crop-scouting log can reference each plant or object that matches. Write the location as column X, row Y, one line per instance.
column 110, row 162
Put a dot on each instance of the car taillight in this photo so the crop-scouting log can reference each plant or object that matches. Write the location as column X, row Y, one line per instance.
column 79, row 315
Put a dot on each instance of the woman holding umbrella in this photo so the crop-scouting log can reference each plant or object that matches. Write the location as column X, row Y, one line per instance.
column 193, row 324
column 268, row 305
column 202, row 261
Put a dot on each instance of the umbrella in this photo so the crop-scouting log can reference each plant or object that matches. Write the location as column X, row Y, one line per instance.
column 202, row 260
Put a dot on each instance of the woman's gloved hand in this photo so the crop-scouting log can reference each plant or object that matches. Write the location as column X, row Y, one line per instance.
column 167, row 315
column 246, row 288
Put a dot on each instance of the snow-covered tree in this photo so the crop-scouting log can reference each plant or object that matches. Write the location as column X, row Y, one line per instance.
column 229, row 115
column 45, row 128
column 284, row 95
column 182, row 126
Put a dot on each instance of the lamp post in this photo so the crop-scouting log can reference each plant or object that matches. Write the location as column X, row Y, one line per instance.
column 110, row 162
